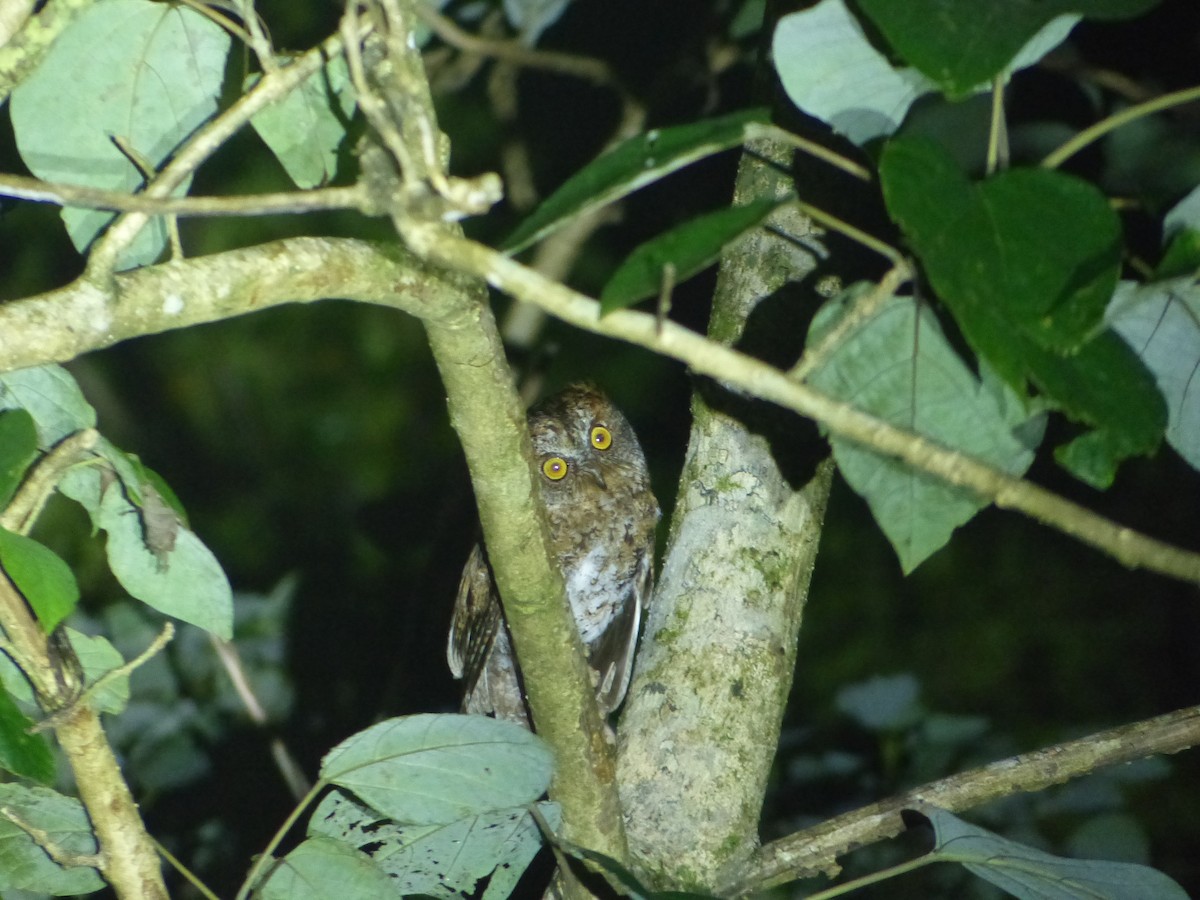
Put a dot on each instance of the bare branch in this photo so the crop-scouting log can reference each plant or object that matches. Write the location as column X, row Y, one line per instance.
column 816, row 850
column 1127, row 546
column 25, row 188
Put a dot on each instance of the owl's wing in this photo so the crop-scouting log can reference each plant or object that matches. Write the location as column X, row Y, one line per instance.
column 612, row 654
column 475, row 621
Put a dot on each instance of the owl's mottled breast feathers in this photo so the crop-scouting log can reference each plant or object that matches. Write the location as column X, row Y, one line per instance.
column 602, row 516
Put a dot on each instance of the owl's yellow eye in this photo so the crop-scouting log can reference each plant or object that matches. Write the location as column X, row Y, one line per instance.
column 601, row 437
column 555, row 468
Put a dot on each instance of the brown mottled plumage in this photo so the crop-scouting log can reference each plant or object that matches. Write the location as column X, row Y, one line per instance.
column 602, row 515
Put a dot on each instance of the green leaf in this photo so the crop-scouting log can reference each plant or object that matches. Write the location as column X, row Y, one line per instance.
column 883, row 703
column 1161, row 323
column 972, row 42
column 24, row 754
column 1182, row 256
column 307, row 127
column 186, row 581
column 150, row 73
column 446, row 861
column 631, row 165
column 18, row 448
column 24, row 866
column 41, row 576
column 98, row 657
column 51, row 395
column 830, row 69
column 1027, row 262
column 436, row 769
column 531, row 17
column 1181, row 234
column 898, row 365
column 1034, row 875
column 690, row 248
column 321, row 868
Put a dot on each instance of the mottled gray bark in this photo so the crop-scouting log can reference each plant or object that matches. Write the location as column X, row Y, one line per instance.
column 700, row 729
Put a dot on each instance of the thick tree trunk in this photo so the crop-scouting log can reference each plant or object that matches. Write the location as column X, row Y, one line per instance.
column 700, row 729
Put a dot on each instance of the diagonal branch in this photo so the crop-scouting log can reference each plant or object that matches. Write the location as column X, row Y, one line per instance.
column 65, row 323
column 1127, row 546
column 816, row 850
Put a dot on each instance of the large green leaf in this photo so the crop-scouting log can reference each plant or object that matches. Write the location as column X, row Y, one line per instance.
column 446, row 861
column 24, row 866
column 830, row 69
column 1161, row 323
column 689, row 248
column 959, row 45
column 1027, row 262
column 44, row 580
column 321, row 868
column 897, row 365
column 183, row 580
column 436, row 769
column 150, row 73
column 22, row 753
column 1032, row 874
column 51, row 395
column 629, row 166
column 307, row 127
column 18, row 447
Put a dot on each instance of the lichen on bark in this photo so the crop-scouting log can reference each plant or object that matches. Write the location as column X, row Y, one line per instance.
column 699, row 731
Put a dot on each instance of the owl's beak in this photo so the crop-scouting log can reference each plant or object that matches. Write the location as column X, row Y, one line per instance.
column 592, row 471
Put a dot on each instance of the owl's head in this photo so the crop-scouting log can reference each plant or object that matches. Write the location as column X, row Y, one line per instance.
column 581, row 440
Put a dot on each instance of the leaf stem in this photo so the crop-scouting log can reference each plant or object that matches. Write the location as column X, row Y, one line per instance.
column 267, row 855
column 1093, row 133
column 873, row 878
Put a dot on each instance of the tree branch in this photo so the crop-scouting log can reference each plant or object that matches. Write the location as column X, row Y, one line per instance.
column 1129, row 547
column 62, row 324
column 816, row 850
column 701, row 727
column 352, row 197
column 489, row 419
column 127, row 857
column 84, row 316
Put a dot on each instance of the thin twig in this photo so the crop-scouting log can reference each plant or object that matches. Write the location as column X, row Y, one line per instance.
column 217, row 18
column 183, row 870
column 997, row 146
column 144, row 166
column 284, row 202
column 43, row 477
column 862, row 309
column 270, row 88
column 289, row 768
column 597, row 71
column 757, row 130
column 832, row 222
column 816, row 850
column 42, row 839
column 258, row 40
column 122, row 671
column 1093, row 133
column 1129, row 547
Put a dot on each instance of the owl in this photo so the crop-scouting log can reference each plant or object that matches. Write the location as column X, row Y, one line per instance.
column 602, row 517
